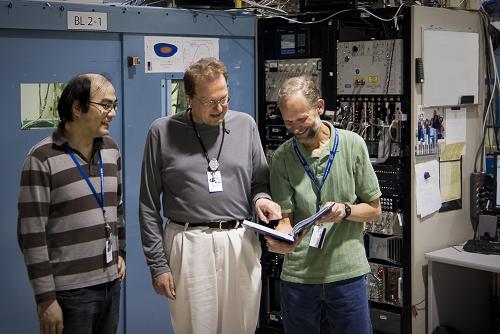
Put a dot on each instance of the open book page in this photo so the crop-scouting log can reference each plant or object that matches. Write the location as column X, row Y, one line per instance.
column 263, row 229
column 312, row 219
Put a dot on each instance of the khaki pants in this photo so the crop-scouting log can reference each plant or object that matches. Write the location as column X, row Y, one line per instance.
column 217, row 275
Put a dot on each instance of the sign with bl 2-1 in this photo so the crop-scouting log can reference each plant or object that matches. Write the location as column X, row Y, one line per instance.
column 87, row 21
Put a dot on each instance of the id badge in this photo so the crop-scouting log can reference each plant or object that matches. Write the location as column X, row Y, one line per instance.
column 318, row 236
column 214, row 181
column 109, row 250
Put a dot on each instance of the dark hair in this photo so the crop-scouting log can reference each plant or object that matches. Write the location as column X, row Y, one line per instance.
column 205, row 68
column 78, row 89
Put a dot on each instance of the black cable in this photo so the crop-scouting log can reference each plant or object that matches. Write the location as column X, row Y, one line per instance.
column 385, row 30
column 484, row 20
column 390, row 67
column 494, row 124
column 488, row 62
column 488, row 71
column 491, row 120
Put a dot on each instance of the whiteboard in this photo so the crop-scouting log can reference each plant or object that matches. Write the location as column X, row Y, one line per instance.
column 451, row 67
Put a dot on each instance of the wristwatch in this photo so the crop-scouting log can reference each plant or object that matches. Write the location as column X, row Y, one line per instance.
column 347, row 210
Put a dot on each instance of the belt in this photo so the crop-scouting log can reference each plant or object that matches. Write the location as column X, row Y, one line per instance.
column 222, row 225
column 101, row 286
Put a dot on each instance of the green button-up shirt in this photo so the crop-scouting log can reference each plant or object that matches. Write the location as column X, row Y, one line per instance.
column 351, row 177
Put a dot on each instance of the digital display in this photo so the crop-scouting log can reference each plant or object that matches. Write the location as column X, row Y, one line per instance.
column 293, row 41
column 287, row 44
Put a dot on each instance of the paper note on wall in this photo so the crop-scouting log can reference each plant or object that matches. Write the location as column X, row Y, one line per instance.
column 455, row 125
column 164, row 54
column 427, row 187
column 450, row 180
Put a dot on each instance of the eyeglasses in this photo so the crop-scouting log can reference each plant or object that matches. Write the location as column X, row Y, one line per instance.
column 214, row 103
column 108, row 106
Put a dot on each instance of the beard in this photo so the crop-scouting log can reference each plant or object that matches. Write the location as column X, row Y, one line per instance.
column 311, row 132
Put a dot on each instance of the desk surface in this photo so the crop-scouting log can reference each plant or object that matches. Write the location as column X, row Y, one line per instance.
column 456, row 256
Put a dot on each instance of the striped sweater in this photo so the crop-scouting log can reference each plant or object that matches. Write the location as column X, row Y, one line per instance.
column 61, row 229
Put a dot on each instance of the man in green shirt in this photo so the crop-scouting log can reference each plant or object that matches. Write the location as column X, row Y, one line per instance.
column 326, row 266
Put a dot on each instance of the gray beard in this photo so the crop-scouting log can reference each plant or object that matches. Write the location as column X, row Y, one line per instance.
column 313, row 130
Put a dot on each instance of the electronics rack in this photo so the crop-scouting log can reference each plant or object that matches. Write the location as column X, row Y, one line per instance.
column 362, row 67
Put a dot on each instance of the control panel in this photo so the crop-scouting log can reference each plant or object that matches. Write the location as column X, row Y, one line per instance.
column 370, row 67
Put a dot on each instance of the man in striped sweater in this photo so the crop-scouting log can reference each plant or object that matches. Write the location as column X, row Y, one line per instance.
column 70, row 217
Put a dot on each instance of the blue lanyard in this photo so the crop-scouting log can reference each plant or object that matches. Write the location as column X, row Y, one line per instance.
column 308, row 170
column 99, row 199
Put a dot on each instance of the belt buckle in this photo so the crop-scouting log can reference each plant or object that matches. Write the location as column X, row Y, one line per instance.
column 230, row 224
column 220, row 222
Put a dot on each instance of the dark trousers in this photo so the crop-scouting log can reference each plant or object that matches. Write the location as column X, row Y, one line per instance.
column 91, row 310
column 345, row 303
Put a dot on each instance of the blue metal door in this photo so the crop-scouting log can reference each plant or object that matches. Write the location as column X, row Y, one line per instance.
column 37, row 57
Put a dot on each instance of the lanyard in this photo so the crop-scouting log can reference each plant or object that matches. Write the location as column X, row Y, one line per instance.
column 99, row 199
column 308, row 170
column 213, row 164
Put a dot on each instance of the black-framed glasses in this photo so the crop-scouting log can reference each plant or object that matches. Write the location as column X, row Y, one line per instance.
column 214, row 103
column 108, row 106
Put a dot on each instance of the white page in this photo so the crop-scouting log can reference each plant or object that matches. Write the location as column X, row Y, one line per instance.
column 427, row 187
column 455, row 126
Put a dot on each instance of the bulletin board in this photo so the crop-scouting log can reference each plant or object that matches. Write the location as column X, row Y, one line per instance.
column 451, row 68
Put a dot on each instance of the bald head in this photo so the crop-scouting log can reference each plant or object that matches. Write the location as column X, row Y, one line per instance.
column 301, row 85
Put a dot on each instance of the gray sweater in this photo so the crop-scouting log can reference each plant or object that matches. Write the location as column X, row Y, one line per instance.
column 174, row 177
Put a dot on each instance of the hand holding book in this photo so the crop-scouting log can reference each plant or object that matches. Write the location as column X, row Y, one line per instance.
column 283, row 247
column 292, row 235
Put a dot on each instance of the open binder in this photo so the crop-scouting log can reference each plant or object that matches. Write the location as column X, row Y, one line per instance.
column 263, row 229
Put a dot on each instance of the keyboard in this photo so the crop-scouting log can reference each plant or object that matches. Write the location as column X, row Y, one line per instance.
column 482, row 246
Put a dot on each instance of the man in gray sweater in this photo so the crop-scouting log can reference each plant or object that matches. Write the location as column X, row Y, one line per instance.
column 205, row 168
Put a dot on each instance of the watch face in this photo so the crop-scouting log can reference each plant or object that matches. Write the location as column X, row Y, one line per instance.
column 347, row 210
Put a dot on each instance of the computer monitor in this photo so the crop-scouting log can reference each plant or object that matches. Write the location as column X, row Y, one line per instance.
column 487, row 227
